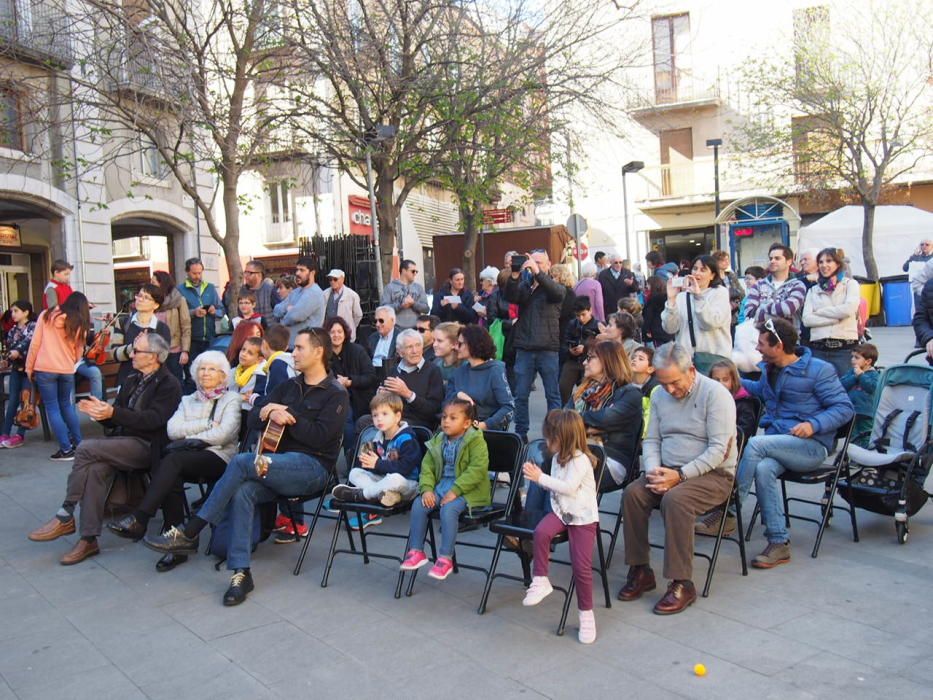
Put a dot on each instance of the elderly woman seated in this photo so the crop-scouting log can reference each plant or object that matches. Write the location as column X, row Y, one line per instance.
column 203, row 433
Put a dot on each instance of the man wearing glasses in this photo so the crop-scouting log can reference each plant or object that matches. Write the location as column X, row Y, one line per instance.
column 406, row 297
column 138, row 419
column 617, row 282
column 381, row 344
column 425, row 326
column 340, row 300
column 254, row 281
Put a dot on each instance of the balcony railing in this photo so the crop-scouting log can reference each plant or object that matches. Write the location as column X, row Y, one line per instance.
column 36, row 32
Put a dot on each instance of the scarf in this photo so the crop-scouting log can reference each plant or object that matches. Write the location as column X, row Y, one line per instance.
column 593, row 396
column 268, row 363
column 828, row 284
column 212, row 394
column 242, row 375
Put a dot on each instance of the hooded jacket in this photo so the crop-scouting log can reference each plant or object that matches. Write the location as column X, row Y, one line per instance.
column 174, row 313
column 487, row 386
column 809, row 391
column 50, row 349
column 471, row 471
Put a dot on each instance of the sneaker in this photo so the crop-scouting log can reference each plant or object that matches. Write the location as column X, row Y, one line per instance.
column 368, row 520
column 775, row 554
column 287, row 534
column 709, row 524
column 62, row 456
column 390, row 499
column 349, row 494
column 441, row 569
column 329, row 505
column 282, row 522
column 414, row 560
column 587, row 633
column 172, row 541
column 3, row 439
column 539, row 589
column 14, row 441
column 241, row 583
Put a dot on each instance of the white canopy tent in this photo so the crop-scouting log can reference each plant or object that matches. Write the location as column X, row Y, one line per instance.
column 898, row 231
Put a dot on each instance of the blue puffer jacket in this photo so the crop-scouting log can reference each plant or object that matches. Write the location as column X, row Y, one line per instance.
column 808, row 390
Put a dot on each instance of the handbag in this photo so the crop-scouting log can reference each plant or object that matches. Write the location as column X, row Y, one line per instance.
column 190, row 444
column 701, row 360
column 28, row 414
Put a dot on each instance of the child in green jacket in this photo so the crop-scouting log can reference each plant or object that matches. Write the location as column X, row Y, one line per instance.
column 454, row 477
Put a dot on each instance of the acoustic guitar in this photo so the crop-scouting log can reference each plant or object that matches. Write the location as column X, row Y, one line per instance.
column 268, row 444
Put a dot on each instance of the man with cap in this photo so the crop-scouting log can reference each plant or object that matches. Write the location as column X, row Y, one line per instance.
column 340, row 300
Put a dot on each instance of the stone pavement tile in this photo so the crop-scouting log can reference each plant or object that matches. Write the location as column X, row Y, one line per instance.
column 29, row 614
column 6, row 693
column 42, row 658
column 229, row 683
column 136, row 618
column 105, row 683
column 830, row 676
column 69, row 587
column 921, row 672
column 752, row 648
column 862, row 643
column 209, row 619
column 277, row 652
column 750, row 604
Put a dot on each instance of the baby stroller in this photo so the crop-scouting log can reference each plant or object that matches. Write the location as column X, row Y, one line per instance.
column 888, row 476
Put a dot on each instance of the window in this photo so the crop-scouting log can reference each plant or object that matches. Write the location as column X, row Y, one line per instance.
column 11, row 120
column 669, row 36
column 280, row 202
column 149, row 161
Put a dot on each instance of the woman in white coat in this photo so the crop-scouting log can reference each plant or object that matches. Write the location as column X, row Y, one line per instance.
column 831, row 312
column 697, row 312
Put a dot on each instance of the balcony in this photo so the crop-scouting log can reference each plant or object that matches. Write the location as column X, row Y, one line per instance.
column 690, row 182
column 677, row 92
column 34, row 32
column 133, row 70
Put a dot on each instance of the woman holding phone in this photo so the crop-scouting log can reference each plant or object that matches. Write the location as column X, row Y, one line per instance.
column 698, row 312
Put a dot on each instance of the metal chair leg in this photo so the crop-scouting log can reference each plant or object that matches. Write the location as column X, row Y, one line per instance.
column 603, row 568
column 333, row 548
column 738, row 532
column 786, row 507
column 490, row 575
column 751, row 523
column 615, row 537
column 566, row 608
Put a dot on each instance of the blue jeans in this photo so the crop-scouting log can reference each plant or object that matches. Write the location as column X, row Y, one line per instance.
column 91, row 372
column 527, row 364
column 58, row 395
column 766, row 458
column 450, row 524
column 18, row 382
column 290, row 474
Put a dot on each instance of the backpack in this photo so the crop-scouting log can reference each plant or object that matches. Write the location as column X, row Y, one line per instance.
column 263, row 524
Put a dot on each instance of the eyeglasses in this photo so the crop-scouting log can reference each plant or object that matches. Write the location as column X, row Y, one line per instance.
column 380, row 321
column 134, row 351
column 210, row 370
column 423, row 330
column 589, row 357
column 616, row 262
column 143, row 297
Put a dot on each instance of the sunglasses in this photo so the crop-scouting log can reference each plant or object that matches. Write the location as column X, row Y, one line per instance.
column 423, row 330
column 380, row 321
column 769, row 326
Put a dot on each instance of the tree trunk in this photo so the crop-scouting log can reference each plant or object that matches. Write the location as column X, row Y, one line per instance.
column 470, row 238
column 230, row 243
column 387, row 213
column 868, row 245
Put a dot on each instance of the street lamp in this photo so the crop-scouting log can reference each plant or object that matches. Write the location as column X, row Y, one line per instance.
column 630, row 167
column 715, row 144
column 374, row 136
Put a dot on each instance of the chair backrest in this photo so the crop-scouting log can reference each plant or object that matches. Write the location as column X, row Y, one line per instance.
column 842, row 438
column 740, row 442
column 759, row 412
column 600, row 454
column 903, row 415
column 505, row 451
column 369, row 433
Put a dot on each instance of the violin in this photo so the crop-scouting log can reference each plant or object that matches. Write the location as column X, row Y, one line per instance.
column 97, row 353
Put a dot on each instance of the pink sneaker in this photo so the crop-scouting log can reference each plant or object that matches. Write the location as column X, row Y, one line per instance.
column 414, row 560
column 14, row 441
column 3, row 439
column 441, row 569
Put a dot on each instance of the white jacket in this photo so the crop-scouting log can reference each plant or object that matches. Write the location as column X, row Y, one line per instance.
column 833, row 315
column 573, row 490
column 192, row 420
column 712, row 317
column 348, row 308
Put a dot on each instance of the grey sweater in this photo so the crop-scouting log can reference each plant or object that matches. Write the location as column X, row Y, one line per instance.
column 696, row 433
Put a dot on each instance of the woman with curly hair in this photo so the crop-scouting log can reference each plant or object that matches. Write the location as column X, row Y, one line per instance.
column 481, row 380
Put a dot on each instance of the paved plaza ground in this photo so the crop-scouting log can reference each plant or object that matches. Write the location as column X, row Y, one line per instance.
column 854, row 623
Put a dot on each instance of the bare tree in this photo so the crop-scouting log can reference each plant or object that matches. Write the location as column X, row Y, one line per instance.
column 848, row 104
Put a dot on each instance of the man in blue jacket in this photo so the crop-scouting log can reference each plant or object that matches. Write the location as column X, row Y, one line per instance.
column 804, row 406
column 205, row 307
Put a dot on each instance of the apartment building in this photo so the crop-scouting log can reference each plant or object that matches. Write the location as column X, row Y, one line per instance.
column 688, row 97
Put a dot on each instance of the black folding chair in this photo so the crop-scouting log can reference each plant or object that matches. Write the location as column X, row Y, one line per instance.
column 505, row 457
column 519, row 523
column 632, row 474
column 364, row 509
column 827, row 476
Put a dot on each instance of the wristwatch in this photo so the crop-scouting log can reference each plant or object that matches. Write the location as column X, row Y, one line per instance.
column 680, row 473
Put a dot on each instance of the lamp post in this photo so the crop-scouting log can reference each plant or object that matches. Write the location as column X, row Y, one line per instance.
column 630, row 167
column 378, row 134
column 715, row 144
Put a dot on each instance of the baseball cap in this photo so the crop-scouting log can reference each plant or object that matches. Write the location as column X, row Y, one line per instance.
column 335, row 273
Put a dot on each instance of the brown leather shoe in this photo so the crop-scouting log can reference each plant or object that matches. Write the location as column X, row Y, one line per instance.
column 640, row 580
column 52, row 530
column 81, row 551
column 680, row 595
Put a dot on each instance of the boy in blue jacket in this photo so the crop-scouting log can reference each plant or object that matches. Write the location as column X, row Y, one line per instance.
column 389, row 466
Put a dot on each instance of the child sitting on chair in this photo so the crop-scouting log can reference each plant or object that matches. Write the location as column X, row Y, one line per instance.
column 574, row 510
column 389, row 465
column 860, row 383
column 454, row 478
column 279, row 366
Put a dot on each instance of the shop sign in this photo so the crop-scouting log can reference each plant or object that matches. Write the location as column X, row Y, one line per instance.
column 10, row 236
column 361, row 219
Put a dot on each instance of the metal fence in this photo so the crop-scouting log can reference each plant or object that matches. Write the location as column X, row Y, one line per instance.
column 356, row 256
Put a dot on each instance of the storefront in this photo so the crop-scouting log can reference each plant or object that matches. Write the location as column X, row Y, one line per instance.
column 684, row 244
column 753, row 226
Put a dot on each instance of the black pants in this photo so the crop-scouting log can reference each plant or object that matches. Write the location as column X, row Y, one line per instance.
column 167, row 485
column 570, row 375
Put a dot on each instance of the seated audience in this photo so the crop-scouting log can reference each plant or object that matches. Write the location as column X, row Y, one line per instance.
column 481, row 380
column 354, row 369
column 382, row 344
column 279, row 364
column 746, row 408
column 418, row 382
column 425, row 325
column 446, row 356
column 860, row 384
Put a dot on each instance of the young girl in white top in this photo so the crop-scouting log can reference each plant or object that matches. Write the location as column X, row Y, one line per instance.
column 574, row 509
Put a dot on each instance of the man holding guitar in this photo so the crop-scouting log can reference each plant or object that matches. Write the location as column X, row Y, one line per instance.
column 311, row 409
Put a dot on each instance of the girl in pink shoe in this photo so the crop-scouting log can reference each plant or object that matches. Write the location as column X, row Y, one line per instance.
column 454, row 478
column 573, row 509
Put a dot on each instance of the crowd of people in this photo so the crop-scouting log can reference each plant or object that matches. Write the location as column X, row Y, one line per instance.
column 623, row 359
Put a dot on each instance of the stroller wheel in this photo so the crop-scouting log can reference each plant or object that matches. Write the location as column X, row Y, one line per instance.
column 902, row 532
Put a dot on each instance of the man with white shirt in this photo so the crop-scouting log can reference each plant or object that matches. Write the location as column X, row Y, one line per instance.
column 381, row 344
